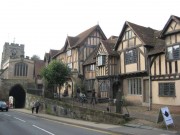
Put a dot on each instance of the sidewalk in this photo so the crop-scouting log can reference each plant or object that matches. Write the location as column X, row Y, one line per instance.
column 128, row 129
column 145, row 117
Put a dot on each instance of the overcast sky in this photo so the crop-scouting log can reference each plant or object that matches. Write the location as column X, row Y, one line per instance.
column 42, row 25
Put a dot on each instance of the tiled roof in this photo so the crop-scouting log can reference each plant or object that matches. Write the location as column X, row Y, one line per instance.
column 146, row 34
column 109, row 45
column 38, row 65
column 53, row 52
column 79, row 39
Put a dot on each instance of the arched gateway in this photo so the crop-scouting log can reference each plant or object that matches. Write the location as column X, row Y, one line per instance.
column 19, row 95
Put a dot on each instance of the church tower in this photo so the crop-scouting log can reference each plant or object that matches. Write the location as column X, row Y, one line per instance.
column 11, row 51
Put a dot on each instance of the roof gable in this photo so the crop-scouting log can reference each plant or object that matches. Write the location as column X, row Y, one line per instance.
column 170, row 25
column 84, row 35
column 145, row 34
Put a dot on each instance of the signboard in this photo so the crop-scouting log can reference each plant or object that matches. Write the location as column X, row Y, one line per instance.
column 165, row 115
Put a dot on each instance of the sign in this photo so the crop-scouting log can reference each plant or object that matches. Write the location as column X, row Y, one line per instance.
column 165, row 114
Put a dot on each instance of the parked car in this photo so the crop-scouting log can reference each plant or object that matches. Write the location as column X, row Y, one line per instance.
column 3, row 106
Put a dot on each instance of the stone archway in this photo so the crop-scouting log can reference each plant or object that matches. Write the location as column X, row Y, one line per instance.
column 19, row 95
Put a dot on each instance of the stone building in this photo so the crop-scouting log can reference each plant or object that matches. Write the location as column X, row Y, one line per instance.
column 19, row 74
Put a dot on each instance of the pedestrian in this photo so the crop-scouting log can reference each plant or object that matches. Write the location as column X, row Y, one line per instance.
column 32, row 107
column 37, row 105
column 93, row 97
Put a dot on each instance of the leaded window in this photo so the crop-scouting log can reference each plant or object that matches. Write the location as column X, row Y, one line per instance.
column 134, row 86
column 167, row 89
column 131, row 56
column 20, row 69
column 173, row 52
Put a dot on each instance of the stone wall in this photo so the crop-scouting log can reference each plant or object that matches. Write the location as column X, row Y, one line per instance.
column 58, row 108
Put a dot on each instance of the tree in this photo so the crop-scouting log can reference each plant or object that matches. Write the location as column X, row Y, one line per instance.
column 35, row 57
column 56, row 73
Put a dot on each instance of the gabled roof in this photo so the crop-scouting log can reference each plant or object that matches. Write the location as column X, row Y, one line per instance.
column 51, row 54
column 38, row 65
column 172, row 17
column 145, row 34
column 82, row 36
column 109, row 45
column 78, row 40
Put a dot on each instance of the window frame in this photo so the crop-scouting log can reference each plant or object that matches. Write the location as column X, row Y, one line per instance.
column 101, row 60
column 162, row 90
column 134, row 86
column 173, row 52
column 131, row 58
column 20, row 69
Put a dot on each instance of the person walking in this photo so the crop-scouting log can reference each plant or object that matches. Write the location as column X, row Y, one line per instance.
column 32, row 107
column 93, row 97
column 37, row 104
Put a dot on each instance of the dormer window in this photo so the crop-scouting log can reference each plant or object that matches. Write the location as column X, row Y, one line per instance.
column 173, row 52
column 101, row 60
column 69, row 53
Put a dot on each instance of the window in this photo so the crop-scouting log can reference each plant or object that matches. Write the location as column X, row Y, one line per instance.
column 101, row 60
column 173, row 52
column 104, row 86
column 21, row 69
column 69, row 53
column 134, row 86
column 90, row 67
column 131, row 56
column 128, row 35
column 167, row 89
column 90, row 84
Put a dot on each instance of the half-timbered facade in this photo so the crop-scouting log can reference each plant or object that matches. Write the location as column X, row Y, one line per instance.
column 165, row 66
column 100, row 69
column 107, row 68
column 133, row 45
column 77, row 49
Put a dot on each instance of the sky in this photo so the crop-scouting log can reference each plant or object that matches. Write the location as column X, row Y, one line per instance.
column 42, row 25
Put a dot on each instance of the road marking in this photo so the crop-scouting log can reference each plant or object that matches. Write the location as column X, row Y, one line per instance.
column 7, row 114
column 43, row 130
column 96, row 130
column 19, row 119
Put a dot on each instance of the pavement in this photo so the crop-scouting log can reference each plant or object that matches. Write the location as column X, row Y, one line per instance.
column 139, row 127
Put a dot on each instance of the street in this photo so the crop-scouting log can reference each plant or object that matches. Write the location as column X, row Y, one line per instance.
column 15, row 123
